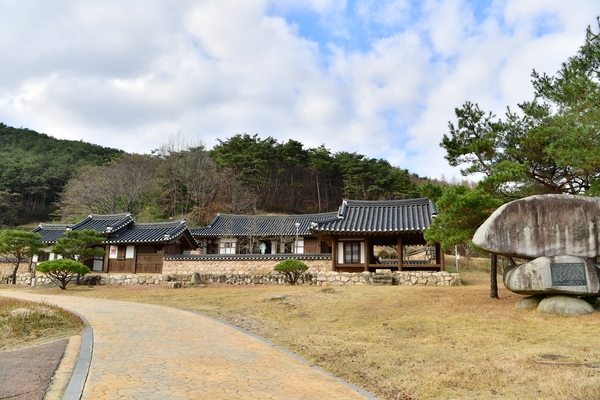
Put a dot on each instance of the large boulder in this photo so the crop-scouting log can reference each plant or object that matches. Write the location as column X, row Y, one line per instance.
column 543, row 225
column 560, row 304
column 529, row 302
column 559, row 274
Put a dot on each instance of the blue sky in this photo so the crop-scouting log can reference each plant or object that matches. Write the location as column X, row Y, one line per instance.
column 381, row 78
column 356, row 25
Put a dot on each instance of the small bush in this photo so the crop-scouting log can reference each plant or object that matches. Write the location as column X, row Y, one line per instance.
column 62, row 271
column 388, row 255
column 292, row 269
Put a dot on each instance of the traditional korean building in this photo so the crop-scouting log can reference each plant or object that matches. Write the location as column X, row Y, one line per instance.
column 130, row 247
column 261, row 234
column 353, row 236
column 359, row 227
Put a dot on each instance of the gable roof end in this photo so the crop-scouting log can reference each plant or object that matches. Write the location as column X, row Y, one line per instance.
column 104, row 223
column 51, row 232
column 152, row 233
column 389, row 216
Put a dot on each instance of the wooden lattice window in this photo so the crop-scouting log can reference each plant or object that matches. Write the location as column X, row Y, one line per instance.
column 352, row 252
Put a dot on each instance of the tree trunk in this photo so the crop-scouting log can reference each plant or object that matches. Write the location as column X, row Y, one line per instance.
column 494, row 277
column 14, row 274
column 318, row 192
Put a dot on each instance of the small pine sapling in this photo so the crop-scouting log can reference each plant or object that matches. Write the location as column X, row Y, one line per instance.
column 62, row 271
column 292, row 269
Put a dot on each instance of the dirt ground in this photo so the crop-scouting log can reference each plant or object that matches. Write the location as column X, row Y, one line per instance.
column 27, row 373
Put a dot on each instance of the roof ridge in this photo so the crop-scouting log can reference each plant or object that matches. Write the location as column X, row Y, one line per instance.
column 390, row 202
column 47, row 225
column 109, row 216
column 165, row 224
column 282, row 216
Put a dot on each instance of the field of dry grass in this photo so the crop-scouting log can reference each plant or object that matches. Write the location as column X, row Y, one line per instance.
column 402, row 342
column 26, row 323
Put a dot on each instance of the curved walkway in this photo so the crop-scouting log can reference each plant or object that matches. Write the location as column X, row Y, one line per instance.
column 142, row 351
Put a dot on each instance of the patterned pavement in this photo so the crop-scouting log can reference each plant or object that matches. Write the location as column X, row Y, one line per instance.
column 143, row 351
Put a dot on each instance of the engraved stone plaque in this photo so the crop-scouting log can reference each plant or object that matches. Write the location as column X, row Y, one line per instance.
column 568, row 274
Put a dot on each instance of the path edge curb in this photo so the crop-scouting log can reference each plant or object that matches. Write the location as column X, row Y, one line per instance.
column 76, row 384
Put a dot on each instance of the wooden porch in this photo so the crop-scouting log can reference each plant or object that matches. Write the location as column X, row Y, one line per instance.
column 370, row 263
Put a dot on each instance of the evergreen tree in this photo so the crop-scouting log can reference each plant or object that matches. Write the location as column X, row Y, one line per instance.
column 552, row 145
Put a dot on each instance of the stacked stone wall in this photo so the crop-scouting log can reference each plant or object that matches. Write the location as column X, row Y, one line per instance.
column 7, row 267
column 229, row 267
column 248, row 272
column 405, row 278
column 25, row 279
column 92, row 279
column 6, row 270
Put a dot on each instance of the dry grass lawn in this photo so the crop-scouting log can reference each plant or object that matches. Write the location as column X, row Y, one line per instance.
column 402, row 342
column 27, row 323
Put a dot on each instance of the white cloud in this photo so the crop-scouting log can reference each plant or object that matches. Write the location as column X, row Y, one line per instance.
column 128, row 75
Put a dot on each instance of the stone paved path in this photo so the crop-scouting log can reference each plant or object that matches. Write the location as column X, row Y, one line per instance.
column 143, row 351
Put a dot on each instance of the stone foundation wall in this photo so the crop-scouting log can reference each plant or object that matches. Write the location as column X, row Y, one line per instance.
column 408, row 278
column 91, row 279
column 24, row 278
column 228, row 267
column 6, row 268
column 330, row 278
column 247, row 272
column 260, row 271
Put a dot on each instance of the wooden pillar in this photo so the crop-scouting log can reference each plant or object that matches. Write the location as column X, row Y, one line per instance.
column 400, row 253
column 106, row 258
column 368, row 252
column 135, row 260
column 334, row 253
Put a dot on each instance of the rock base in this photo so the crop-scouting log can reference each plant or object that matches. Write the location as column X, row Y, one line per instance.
column 565, row 305
column 557, row 304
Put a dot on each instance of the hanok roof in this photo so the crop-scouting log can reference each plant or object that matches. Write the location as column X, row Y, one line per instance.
column 390, row 216
column 260, row 225
column 51, row 232
column 152, row 233
column 120, row 228
column 104, row 223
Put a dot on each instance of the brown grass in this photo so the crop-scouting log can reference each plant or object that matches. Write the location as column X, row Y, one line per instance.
column 26, row 323
column 403, row 342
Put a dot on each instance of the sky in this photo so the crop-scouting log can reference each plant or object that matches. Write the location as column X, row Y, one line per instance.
column 377, row 77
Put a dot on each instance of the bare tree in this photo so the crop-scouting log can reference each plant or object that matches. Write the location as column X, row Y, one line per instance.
column 195, row 187
column 123, row 186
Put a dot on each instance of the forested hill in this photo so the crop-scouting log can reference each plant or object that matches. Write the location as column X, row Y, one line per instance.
column 43, row 179
column 242, row 174
column 34, row 168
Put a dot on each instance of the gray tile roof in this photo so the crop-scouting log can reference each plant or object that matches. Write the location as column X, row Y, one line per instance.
column 51, row 232
column 260, row 225
column 104, row 223
column 120, row 228
column 390, row 216
column 150, row 233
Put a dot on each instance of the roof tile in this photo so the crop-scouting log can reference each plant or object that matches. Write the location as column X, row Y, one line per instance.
column 260, row 225
column 360, row 216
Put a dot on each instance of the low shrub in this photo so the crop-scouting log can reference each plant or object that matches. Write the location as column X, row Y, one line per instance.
column 292, row 269
column 62, row 271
